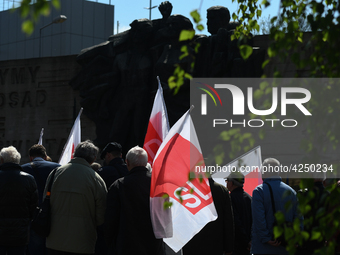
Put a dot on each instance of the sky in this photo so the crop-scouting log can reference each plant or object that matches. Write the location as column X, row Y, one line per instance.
column 128, row 10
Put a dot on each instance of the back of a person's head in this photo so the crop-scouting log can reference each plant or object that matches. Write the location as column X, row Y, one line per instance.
column 10, row 155
column 222, row 12
column 37, row 150
column 86, row 150
column 96, row 166
column 237, row 178
column 137, row 156
column 270, row 167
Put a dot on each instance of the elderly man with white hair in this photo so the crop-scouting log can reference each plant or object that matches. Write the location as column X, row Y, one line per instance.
column 273, row 193
column 18, row 200
column 128, row 227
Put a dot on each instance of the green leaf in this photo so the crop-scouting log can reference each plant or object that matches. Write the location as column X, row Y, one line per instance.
column 278, row 231
column 315, row 235
column 266, row 62
column 196, row 16
column 200, row 27
column 186, row 35
column 234, row 16
column 258, row 13
column 27, row 27
column 167, row 205
column 271, row 52
column 305, row 235
column 246, row 51
column 165, row 196
column 56, row 4
column 280, row 217
column 264, row 85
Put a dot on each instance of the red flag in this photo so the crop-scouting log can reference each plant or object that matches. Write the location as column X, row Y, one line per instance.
column 158, row 125
column 178, row 156
column 72, row 141
column 249, row 165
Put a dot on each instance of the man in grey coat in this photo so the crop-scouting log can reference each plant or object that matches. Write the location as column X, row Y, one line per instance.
column 78, row 201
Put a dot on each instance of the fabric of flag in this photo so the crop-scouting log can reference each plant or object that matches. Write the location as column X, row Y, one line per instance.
column 41, row 136
column 249, row 164
column 158, row 126
column 72, row 141
column 177, row 157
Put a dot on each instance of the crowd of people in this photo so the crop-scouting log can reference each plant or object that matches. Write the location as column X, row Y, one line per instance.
column 105, row 209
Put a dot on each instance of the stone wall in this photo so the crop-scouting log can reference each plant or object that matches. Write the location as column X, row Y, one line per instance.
column 35, row 94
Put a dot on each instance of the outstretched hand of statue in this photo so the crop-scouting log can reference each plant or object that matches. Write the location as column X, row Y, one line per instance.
column 165, row 9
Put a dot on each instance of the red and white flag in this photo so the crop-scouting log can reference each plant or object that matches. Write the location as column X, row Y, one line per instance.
column 178, row 156
column 72, row 141
column 249, row 164
column 41, row 136
column 158, row 126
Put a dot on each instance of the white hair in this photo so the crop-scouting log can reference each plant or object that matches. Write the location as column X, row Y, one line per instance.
column 137, row 156
column 10, row 155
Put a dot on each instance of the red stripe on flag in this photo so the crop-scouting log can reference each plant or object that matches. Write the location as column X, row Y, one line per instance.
column 72, row 150
column 152, row 139
column 251, row 181
column 171, row 172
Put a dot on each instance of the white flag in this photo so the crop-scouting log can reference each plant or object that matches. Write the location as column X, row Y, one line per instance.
column 249, row 164
column 158, row 126
column 41, row 136
column 177, row 157
column 72, row 141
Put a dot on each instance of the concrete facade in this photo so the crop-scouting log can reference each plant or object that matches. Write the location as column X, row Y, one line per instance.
column 87, row 24
column 35, row 94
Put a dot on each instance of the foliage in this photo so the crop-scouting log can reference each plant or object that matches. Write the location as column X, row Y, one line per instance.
column 321, row 214
column 30, row 12
column 266, row 24
column 186, row 36
column 320, row 52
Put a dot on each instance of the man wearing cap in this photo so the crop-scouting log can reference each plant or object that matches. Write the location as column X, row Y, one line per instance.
column 241, row 202
column 114, row 166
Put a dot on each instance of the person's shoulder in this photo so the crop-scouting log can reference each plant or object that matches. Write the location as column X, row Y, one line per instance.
column 27, row 175
column 27, row 165
column 288, row 188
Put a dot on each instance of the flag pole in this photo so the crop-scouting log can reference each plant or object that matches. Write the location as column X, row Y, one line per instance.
column 164, row 106
column 41, row 136
column 69, row 136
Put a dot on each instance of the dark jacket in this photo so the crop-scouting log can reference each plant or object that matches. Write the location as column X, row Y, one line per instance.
column 217, row 236
column 18, row 200
column 114, row 170
column 128, row 227
column 39, row 169
column 241, row 202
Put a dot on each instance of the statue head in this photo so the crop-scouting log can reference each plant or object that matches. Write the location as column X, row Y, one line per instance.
column 141, row 30
column 218, row 17
column 175, row 24
column 165, row 8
